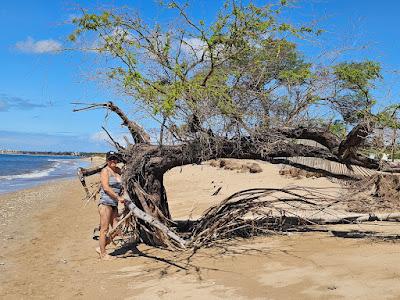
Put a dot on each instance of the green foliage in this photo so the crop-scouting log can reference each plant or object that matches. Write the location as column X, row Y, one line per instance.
column 355, row 80
column 358, row 75
column 296, row 75
column 338, row 128
column 243, row 68
column 389, row 117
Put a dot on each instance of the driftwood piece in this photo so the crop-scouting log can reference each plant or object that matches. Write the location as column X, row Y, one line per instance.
column 83, row 172
column 92, row 170
column 354, row 139
column 83, row 182
column 138, row 213
column 353, row 219
column 359, row 234
column 391, row 170
column 112, row 231
column 93, row 195
column 379, row 217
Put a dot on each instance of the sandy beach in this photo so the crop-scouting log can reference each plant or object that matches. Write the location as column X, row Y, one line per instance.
column 47, row 250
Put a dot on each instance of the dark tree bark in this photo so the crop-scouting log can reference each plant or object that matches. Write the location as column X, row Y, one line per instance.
column 348, row 147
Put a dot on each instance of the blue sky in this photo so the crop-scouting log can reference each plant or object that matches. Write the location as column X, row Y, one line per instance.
column 37, row 86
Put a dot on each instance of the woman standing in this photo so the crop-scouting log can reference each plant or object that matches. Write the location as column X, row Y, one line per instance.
column 110, row 195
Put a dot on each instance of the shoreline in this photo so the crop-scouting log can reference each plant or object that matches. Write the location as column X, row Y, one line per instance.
column 59, row 155
column 38, row 185
column 20, row 184
column 47, row 251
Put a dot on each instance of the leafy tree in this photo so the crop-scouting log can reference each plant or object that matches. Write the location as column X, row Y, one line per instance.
column 238, row 87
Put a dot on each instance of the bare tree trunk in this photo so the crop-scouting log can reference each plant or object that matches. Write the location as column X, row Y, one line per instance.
column 394, row 138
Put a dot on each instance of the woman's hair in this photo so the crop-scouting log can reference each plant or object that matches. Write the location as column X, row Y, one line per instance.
column 112, row 155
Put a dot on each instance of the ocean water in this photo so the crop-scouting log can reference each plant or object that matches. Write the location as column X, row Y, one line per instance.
column 24, row 171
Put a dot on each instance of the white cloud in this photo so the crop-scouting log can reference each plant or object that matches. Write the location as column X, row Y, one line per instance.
column 102, row 138
column 38, row 47
column 194, row 46
column 31, row 141
column 118, row 35
column 8, row 102
column 122, row 34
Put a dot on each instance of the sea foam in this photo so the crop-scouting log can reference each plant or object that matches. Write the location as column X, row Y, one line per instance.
column 30, row 175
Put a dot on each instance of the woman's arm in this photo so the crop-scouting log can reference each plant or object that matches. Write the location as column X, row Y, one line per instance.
column 106, row 187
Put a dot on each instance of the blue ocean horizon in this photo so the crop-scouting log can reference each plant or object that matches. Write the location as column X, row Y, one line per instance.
column 19, row 172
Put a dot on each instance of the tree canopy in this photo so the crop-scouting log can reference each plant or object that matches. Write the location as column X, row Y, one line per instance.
column 242, row 72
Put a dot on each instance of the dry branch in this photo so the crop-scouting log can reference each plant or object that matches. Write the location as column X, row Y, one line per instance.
column 137, row 132
column 260, row 211
column 116, row 144
column 138, row 213
column 124, row 219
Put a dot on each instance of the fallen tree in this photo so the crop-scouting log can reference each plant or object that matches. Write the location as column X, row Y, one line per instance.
column 146, row 164
column 237, row 88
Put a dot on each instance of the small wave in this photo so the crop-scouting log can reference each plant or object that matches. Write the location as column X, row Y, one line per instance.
column 30, row 175
column 64, row 162
column 59, row 167
column 60, row 159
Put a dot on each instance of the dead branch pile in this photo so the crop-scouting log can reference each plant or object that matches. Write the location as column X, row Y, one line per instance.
column 254, row 212
column 244, row 214
column 266, row 211
column 380, row 192
column 271, row 211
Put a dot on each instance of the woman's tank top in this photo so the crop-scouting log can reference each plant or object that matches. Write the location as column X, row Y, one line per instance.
column 116, row 186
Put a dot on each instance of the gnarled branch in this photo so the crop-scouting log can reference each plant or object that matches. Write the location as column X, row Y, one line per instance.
column 139, row 135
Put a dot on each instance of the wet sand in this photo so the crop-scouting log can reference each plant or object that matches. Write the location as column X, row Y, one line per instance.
column 46, row 251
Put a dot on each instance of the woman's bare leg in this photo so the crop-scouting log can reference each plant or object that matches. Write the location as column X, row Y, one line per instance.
column 114, row 219
column 105, row 212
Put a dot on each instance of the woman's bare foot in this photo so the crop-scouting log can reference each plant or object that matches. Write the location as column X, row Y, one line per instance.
column 107, row 257
column 104, row 256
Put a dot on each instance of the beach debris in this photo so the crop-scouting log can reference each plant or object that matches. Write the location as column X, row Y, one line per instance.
column 82, row 173
column 116, row 227
column 270, row 211
column 377, row 192
column 161, row 230
column 96, row 233
column 298, row 173
column 252, row 212
column 217, row 191
column 359, row 234
column 240, row 166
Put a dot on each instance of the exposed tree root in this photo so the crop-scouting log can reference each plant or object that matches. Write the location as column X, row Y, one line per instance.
column 255, row 212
